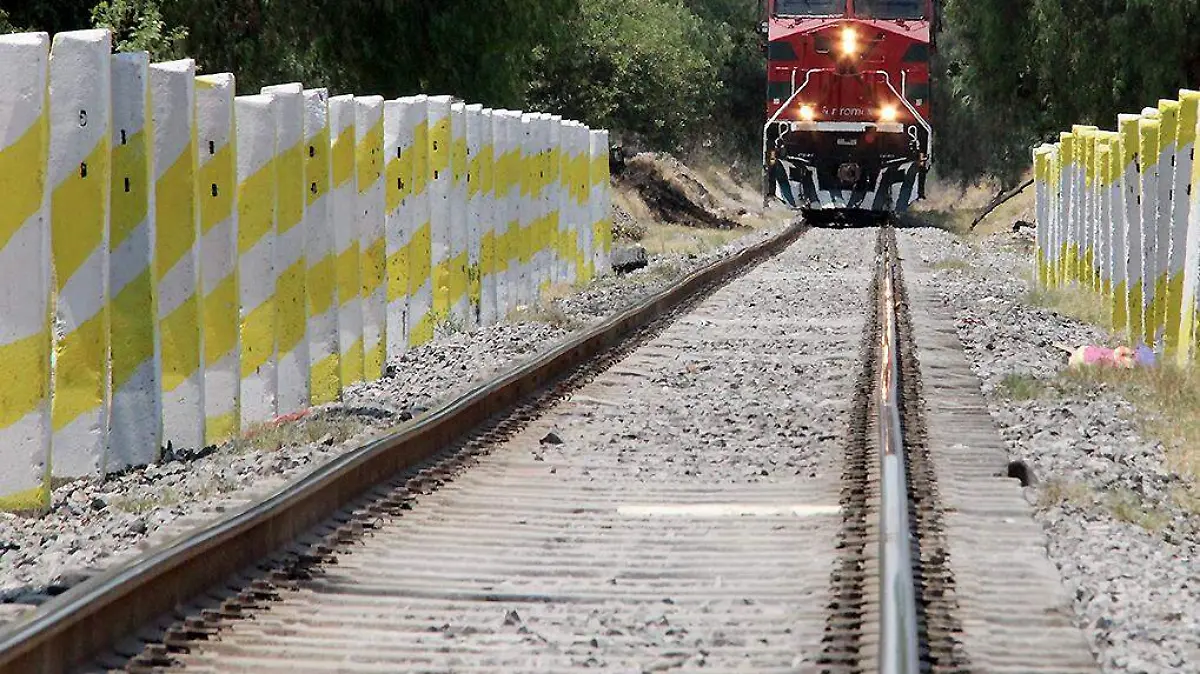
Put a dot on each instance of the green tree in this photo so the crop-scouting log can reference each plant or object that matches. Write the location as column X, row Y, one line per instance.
column 137, row 25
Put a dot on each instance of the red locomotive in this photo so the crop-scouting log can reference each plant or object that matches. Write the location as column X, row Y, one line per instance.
column 848, row 111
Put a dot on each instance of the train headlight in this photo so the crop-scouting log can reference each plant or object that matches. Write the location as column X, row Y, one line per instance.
column 849, row 41
column 807, row 113
column 888, row 113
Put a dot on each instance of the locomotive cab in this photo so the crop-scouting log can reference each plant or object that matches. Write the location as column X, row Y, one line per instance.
column 848, row 105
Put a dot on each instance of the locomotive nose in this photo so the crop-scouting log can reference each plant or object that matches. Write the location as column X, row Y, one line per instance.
column 849, row 173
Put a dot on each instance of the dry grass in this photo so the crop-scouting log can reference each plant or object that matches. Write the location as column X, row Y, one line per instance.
column 953, row 208
column 1056, row 492
column 951, row 264
column 1019, row 386
column 1127, row 506
column 663, row 239
column 330, row 429
column 1074, row 302
column 137, row 505
column 544, row 311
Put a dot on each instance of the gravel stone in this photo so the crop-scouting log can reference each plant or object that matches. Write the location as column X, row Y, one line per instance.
column 1136, row 590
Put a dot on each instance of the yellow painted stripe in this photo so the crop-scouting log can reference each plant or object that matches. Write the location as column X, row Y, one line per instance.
column 220, row 428
column 397, row 271
column 77, row 213
column 349, row 285
column 422, row 332
column 325, row 382
column 25, row 366
column 216, row 185
column 399, row 179
column 180, row 332
column 343, row 157
column 460, row 159
column 176, row 194
column 258, row 337
column 439, row 147
column 316, row 166
column 352, row 364
column 290, row 173
column 221, row 319
column 369, row 159
column 131, row 162
column 375, row 357
column 373, row 261
column 487, row 254
column 132, row 328
column 419, row 259
column 458, row 276
column 20, row 182
column 321, row 278
column 290, row 307
column 36, row 498
column 420, row 158
column 256, row 207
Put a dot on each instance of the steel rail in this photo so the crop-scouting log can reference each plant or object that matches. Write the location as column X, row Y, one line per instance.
column 89, row 619
column 898, row 643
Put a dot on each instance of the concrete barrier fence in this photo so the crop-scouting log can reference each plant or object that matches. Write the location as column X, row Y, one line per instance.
column 179, row 264
column 1118, row 213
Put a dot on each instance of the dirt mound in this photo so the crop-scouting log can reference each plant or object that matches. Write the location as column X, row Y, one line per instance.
column 672, row 193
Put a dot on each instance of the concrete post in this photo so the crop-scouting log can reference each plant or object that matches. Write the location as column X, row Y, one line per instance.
column 473, row 141
column 1184, row 113
column 544, row 225
column 585, row 235
column 344, row 207
column 1041, row 200
column 526, row 280
column 219, row 255
column 1083, row 220
column 1189, row 276
column 25, row 340
column 320, row 250
column 458, row 256
column 1066, row 207
column 177, row 259
column 600, row 199
column 135, row 435
column 1143, row 290
column 441, row 182
column 1168, row 127
column 291, row 263
column 490, row 219
column 508, row 218
column 79, row 173
column 372, row 202
column 256, row 204
column 398, row 150
column 1130, row 218
column 556, row 253
column 1103, row 215
column 420, row 255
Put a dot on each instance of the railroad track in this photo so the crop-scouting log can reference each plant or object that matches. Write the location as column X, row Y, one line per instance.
column 729, row 477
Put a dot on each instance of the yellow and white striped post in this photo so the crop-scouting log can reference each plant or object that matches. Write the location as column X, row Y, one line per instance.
column 555, row 255
column 1066, row 253
column 25, row 341
column 1116, row 217
column 473, row 142
column 601, row 202
column 344, row 206
column 398, row 151
column 256, row 255
column 293, row 370
column 1042, row 206
column 1144, row 251
column 320, row 250
column 507, row 186
column 79, row 172
column 1103, row 214
column 135, row 429
column 459, row 258
column 1185, row 143
column 1189, row 130
column 490, row 217
column 420, row 255
column 544, row 231
column 1054, row 243
column 441, row 182
column 1129, row 236
column 1084, row 201
column 218, row 255
column 368, row 162
column 177, row 259
column 526, row 279
column 585, row 235
column 1168, row 112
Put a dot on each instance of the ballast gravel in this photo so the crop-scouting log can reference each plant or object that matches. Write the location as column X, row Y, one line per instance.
column 95, row 524
column 1127, row 550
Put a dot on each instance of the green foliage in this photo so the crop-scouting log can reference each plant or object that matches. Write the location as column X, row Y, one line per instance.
column 1012, row 73
column 137, row 25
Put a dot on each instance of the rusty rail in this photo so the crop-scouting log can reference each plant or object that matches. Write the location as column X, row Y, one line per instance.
column 90, row 618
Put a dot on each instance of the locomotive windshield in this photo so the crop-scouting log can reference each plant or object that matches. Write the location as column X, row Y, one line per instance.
column 890, row 9
column 810, row 7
